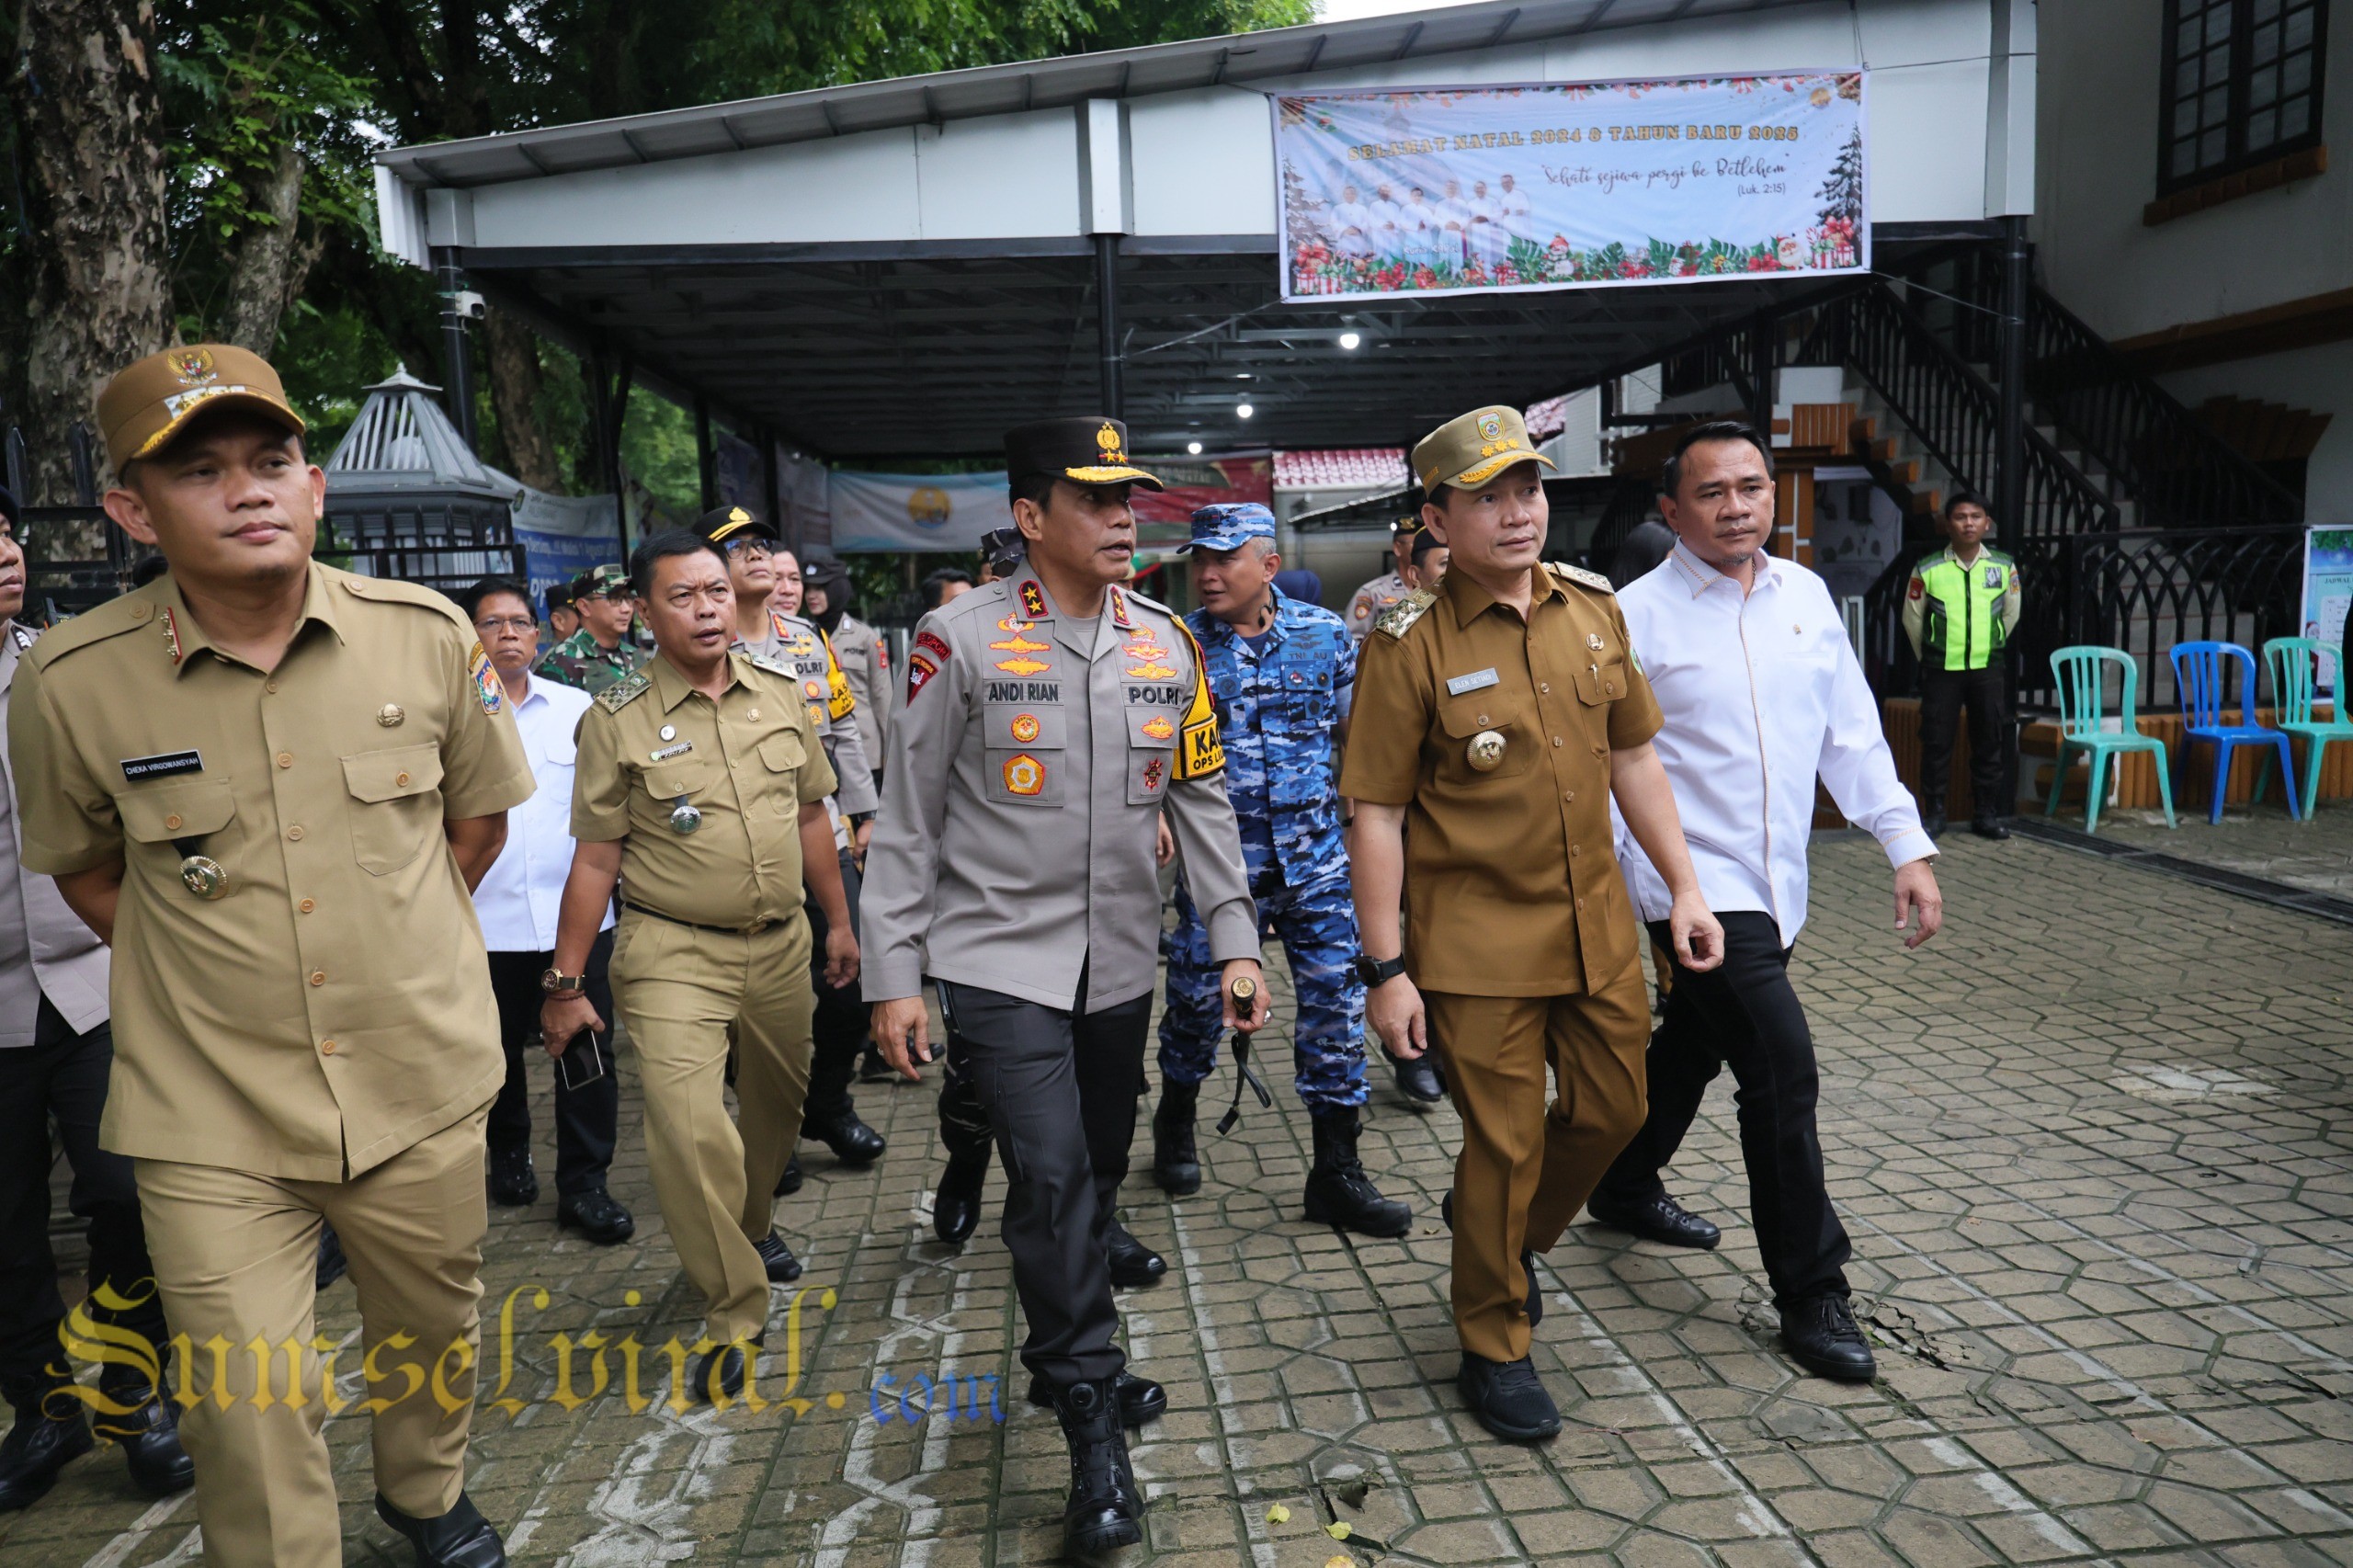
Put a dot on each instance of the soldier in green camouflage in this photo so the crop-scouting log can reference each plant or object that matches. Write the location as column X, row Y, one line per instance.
column 598, row 653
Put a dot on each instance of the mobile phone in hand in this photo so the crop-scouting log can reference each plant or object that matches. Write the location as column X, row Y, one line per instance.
column 584, row 1061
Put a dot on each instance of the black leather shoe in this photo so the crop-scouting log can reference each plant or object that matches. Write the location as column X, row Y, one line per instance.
column 853, row 1142
column 458, row 1538
column 1988, row 827
column 873, row 1069
column 150, row 1439
column 1821, row 1334
column 331, row 1265
column 956, row 1206
column 596, row 1215
column 35, row 1450
column 1508, row 1399
column 1932, row 822
column 1659, row 1219
column 789, row 1182
column 1175, row 1164
column 1534, row 1305
column 1132, row 1263
column 718, row 1373
column 1417, row 1080
column 1105, row 1505
column 1140, row 1399
column 783, row 1268
column 513, row 1183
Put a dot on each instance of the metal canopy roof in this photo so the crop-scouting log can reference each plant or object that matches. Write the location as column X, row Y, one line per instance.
column 934, row 356
column 1031, row 85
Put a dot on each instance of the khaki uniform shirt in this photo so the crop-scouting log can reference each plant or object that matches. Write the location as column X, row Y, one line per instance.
column 1511, row 889
column 334, row 1007
column 1015, row 847
column 867, row 666
column 748, row 763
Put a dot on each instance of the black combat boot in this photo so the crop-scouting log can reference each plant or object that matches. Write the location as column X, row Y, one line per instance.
column 1103, row 1505
column 1338, row 1192
column 1175, row 1164
column 48, row 1434
column 964, row 1131
column 1932, row 818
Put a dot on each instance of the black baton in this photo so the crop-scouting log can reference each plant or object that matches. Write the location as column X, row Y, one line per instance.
column 1245, row 991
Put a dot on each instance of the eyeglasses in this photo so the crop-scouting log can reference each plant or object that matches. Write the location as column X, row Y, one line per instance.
column 490, row 626
column 756, row 547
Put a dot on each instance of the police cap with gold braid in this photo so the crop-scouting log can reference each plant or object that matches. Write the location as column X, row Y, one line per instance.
column 724, row 524
column 1089, row 450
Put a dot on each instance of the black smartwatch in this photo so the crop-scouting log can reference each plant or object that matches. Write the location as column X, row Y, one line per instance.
column 1374, row 972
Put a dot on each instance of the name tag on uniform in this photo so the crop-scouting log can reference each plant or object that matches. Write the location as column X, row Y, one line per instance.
column 667, row 753
column 163, row 765
column 1476, row 680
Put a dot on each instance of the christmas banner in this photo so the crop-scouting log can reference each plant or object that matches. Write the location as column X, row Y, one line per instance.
column 1578, row 184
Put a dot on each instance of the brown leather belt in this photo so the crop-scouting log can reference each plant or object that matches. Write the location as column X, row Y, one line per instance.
column 754, row 930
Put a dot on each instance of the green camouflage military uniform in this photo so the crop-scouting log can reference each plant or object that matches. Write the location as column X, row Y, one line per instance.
column 581, row 661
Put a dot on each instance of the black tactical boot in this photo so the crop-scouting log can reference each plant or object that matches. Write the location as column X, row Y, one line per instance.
column 1338, row 1192
column 1175, row 1164
column 458, row 1538
column 1104, row 1503
column 1932, row 818
column 964, row 1133
column 40, row 1446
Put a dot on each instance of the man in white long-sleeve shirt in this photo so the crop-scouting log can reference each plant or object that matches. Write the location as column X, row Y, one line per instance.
column 1761, row 694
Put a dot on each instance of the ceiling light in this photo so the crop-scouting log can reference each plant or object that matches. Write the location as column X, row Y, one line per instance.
column 1349, row 340
column 1244, row 410
column 1192, row 449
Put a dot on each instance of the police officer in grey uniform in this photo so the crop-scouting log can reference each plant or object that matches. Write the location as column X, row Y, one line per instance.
column 761, row 629
column 1048, row 719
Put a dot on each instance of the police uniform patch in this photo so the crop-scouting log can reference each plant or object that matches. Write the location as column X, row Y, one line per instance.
column 1119, row 617
column 1033, row 600
column 1024, row 775
column 932, row 642
column 1145, row 671
column 1158, row 728
column 1017, row 643
column 1025, row 727
column 485, row 679
column 920, row 669
column 1020, row 664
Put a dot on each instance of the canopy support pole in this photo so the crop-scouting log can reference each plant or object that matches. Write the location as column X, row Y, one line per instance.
column 1107, row 323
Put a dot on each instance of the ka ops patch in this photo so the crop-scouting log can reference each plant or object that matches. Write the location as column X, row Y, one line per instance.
column 1199, row 752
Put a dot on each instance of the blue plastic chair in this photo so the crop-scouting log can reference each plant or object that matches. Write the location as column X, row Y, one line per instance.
column 2202, row 679
column 2081, row 674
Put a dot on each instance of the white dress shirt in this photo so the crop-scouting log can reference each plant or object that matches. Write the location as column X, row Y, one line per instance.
column 523, row 890
column 1761, row 693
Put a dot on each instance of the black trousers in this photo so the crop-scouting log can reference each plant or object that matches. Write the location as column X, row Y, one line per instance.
column 1060, row 1089
column 837, row 1032
column 1744, row 1014
column 587, row 1118
column 1943, row 694
column 64, row 1074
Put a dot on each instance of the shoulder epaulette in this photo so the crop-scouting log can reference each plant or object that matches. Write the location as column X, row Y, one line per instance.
column 131, row 612
column 775, row 667
column 1399, row 618
column 1582, row 578
column 623, row 692
column 393, row 590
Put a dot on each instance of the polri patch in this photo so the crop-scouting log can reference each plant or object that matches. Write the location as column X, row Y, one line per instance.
column 163, row 765
column 1477, row 680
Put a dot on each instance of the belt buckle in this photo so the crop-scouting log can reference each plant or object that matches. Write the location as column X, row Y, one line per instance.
column 756, row 926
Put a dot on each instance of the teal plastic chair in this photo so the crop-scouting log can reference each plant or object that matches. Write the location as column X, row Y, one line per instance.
column 2081, row 673
column 2293, row 662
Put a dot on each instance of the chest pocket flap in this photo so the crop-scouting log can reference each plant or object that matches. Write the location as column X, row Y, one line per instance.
column 379, row 775
column 161, row 813
column 687, row 776
column 1310, row 670
column 1607, row 683
column 784, row 753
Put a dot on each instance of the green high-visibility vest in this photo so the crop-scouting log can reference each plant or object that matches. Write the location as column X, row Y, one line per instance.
column 1962, row 628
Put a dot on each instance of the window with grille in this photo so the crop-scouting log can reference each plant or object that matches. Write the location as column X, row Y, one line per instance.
column 2242, row 86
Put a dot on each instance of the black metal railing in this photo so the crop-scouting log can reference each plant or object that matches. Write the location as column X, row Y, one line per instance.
column 2146, row 589
column 2155, row 451
column 1952, row 411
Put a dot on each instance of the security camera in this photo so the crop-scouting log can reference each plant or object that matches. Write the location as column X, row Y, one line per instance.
column 468, row 303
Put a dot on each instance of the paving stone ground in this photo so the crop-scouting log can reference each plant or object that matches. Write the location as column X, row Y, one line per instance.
column 2258, row 841
column 2090, row 1144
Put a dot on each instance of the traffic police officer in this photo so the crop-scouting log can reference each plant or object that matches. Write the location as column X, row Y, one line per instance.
column 702, row 786
column 1282, row 673
column 275, row 783
column 1959, row 612
column 1497, row 717
column 1050, row 719
column 599, row 653
column 800, row 646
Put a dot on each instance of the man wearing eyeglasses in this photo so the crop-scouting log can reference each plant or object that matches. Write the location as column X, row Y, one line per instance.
column 598, row 653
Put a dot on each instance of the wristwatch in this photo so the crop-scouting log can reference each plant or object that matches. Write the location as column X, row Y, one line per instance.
column 555, row 982
column 1375, row 972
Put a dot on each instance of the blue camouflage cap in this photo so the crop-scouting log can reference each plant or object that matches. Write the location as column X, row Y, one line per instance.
column 1228, row 524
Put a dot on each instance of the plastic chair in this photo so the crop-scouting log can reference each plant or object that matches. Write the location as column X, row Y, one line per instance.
column 2200, row 680
column 2292, row 662
column 2081, row 673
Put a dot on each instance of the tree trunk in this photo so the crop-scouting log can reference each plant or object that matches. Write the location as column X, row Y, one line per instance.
column 261, row 279
column 514, row 382
column 89, row 122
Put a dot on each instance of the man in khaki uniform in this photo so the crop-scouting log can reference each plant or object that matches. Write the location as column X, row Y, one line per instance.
column 1497, row 717
column 277, row 782
column 702, row 786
